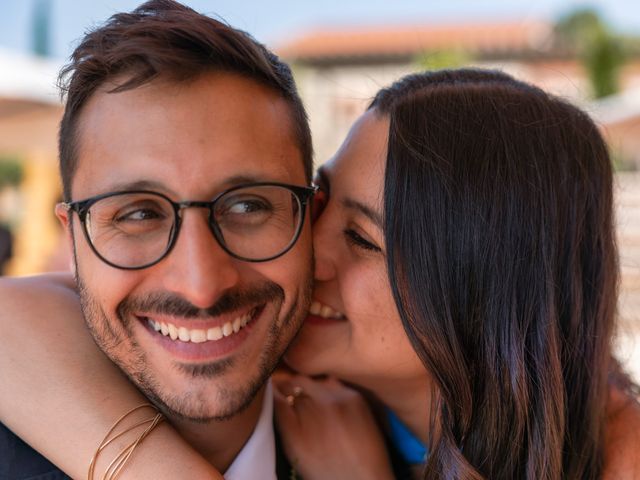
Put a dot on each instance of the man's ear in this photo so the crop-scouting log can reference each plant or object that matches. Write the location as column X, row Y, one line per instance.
column 64, row 216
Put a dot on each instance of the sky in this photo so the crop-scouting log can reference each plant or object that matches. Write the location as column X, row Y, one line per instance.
column 275, row 21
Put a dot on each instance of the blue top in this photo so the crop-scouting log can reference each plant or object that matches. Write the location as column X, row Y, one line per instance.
column 410, row 447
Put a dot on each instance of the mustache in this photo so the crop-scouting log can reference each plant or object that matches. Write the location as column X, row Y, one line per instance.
column 162, row 303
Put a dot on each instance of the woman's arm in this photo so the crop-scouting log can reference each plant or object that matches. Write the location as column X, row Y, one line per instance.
column 61, row 394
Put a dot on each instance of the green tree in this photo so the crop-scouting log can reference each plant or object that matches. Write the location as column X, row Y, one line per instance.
column 603, row 62
column 601, row 52
column 11, row 171
column 579, row 27
column 438, row 60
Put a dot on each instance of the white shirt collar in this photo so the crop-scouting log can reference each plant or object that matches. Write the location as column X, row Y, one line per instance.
column 257, row 459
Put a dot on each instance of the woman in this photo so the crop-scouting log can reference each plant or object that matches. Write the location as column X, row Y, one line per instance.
column 501, row 260
column 466, row 284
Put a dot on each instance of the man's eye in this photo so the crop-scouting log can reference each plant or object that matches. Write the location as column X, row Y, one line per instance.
column 247, row 206
column 355, row 239
column 139, row 215
column 246, row 212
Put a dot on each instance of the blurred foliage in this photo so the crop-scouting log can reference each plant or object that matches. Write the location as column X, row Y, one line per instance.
column 602, row 53
column 439, row 60
column 622, row 162
column 11, row 171
column 603, row 62
column 579, row 27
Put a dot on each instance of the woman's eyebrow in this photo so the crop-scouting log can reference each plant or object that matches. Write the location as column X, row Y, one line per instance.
column 367, row 211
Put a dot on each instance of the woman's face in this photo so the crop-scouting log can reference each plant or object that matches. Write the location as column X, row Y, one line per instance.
column 354, row 331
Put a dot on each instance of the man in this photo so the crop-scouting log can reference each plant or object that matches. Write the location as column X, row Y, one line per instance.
column 185, row 158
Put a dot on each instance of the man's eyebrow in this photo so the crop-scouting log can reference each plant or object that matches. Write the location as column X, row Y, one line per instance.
column 137, row 185
column 158, row 186
column 367, row 211
column 240, row 179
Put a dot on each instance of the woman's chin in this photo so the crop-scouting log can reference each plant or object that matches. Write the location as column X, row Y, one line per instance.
column 320, row 348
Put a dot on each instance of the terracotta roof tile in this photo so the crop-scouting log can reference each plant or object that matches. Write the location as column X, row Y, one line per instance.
column 411, row 40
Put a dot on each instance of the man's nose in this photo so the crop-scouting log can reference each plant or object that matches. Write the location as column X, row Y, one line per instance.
column 198, row 268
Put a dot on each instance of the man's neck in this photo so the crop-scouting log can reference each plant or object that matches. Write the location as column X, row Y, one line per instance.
column 221, row 441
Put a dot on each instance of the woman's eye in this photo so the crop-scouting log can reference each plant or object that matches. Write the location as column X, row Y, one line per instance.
column 354, row 238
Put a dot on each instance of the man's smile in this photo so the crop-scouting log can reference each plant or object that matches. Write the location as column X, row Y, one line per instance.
column 198, row 340
column 200, row 335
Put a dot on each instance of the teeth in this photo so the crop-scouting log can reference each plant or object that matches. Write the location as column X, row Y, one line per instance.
column 173, row 332
column 227, row 329
column 183, row 334
column 324, row 311
column 315, row 308
column 214, row 333
column 200, row 335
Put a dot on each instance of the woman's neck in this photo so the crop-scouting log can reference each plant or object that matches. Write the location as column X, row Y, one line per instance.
column 410, row 401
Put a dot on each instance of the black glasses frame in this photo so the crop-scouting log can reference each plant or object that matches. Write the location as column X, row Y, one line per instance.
column 302, row 194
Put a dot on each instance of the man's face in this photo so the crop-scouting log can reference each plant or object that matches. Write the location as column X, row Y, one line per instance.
column 191, row 141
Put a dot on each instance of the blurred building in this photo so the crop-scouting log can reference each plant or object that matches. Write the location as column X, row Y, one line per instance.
column 619, row 116
column 339, row 70
column 628, row 236
column 30, row 111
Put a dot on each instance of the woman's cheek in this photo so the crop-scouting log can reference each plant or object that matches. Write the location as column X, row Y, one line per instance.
column 320, row 200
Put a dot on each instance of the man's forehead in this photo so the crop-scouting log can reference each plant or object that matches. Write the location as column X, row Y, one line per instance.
column 207, row 131
column 191, row 183
column 213, row 96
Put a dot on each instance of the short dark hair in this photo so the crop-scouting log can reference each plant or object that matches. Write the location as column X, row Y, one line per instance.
column 163, row 38
column 501, row 255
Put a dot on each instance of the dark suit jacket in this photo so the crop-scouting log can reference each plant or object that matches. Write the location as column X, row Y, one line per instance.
column 18, row 461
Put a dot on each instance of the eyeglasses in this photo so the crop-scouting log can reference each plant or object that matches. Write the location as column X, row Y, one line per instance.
column 254, row 222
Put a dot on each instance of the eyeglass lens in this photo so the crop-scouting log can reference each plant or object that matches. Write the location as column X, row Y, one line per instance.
column 136, row 229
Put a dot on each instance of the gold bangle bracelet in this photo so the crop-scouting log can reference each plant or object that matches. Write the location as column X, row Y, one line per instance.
column 116, row 465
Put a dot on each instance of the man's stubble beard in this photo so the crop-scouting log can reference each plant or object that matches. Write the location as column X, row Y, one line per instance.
column 116, row 340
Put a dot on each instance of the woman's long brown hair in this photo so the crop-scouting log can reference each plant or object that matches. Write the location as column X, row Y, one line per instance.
column 502, row 260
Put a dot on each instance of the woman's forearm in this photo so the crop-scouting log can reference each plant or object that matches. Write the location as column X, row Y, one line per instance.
column 61, row 394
